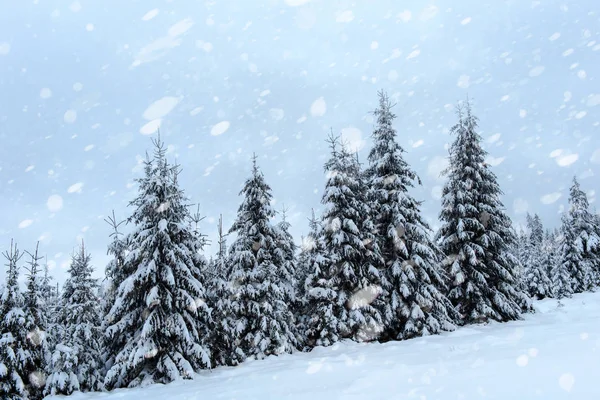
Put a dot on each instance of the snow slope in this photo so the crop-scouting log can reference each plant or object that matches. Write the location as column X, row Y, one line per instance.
column 553, row 354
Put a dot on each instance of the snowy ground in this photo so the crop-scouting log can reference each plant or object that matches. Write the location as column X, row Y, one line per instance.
column 553, row 354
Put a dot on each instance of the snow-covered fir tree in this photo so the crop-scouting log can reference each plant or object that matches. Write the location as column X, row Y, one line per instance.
column 366, row 304
column 224, row 329
column 50, row 297
column 77, row 356
column 537, row 281
column 520, row 248
column 550, row 258
column 264, row 322
column 596, row 249
column 14, row 357
column 476, row 233
column 586, row 236
column 318, row 323
column 342, row 289
column 199, row 268
column 49, row 291
column 567, row 270
column 415, row 303
column 159, row 305
column 115, row 274
column 307, row 251
column 286, row 250
column 34, row 309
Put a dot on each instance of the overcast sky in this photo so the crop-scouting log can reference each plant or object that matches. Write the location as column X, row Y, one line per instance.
column 84, row 84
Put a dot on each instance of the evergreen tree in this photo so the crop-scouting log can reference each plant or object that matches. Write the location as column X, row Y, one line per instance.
column 49, row 292
column 158, row 306
column 200, row 270
column 519, row 249
column 77, row 357
column 312, row 264
column 115, row 274
column 224, row 330
column 50, row 298
column 34, row 309
column 582, row 222
column 414, row 301
column 567, row 272
column 306, row 254
column 596, row 248
column 549, row 260
column 537, row 281
column 264, row 322
column 318, row 323
column 342, row 291
column 14, row 357
column 476, row 233
column 286, row 251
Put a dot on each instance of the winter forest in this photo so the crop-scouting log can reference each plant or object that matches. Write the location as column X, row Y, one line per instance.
column 299, row 199
column 369, row 269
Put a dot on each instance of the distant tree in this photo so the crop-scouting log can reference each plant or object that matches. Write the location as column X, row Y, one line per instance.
column 77, row 356
column 264, row 322
column 567, row 272
column 308, row 244
column 115, row 275
column 344, row 281
column 224, row 335
column 318, row 324
column 519, row 249
column 586, row 238
column 476, row 233
column 15, row 359
column 200, row 270
column 286, row 250
column 596, row 247
column 550, row 258
column 34, row 309
column 49, row 292
column 537, row 281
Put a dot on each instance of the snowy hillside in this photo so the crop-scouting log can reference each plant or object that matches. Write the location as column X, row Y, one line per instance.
column 553, row 354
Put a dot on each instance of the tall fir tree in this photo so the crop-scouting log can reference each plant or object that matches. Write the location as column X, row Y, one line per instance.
column 224, row 329
column 36, row 326
column 537, row 281
column 264, row 321
column 309, row 247
column 286, row 251
column 49, row 292
column 318, row 322
column 415, row 303
column 14, row 357
column 582, row 222
column 519, row 249
column 115, row 274
column 550, row 257
column 158, row 306
column 476, row 233
column 344, row 285
column 50, row 297
column 199, row 268
column 567, row 271
column 77, row 362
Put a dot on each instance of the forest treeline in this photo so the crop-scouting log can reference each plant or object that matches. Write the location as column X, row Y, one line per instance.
column 369, row 269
